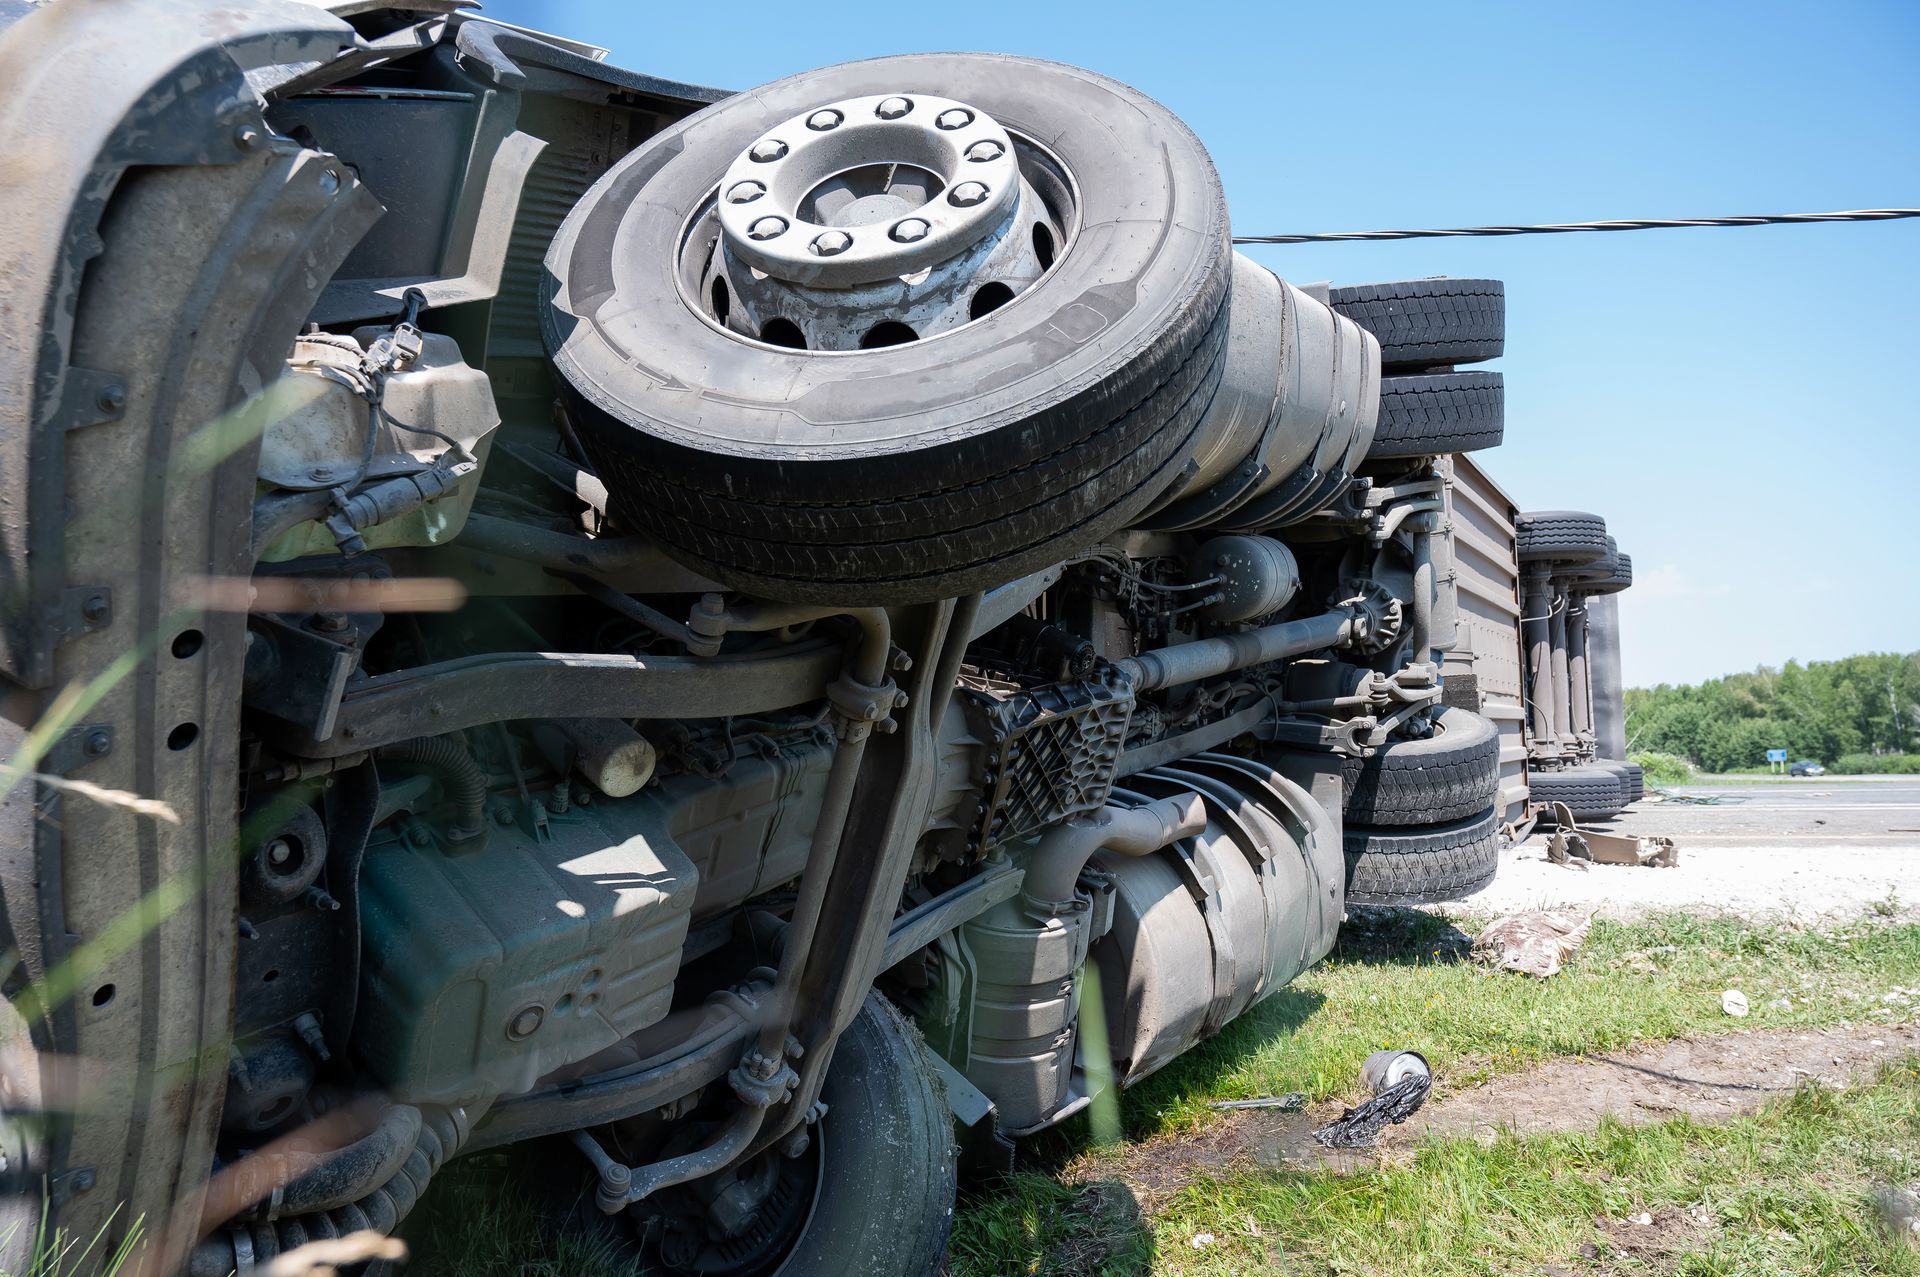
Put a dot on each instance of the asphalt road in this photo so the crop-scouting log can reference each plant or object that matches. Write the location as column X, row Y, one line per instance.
column 1882, row 810
column 1835, row 847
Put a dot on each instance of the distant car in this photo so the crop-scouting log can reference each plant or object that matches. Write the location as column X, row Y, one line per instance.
column 1806, row 767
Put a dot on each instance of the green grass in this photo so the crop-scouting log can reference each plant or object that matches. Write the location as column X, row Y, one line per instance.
column 1787, row 1190
column 1663, row 769
column 1400, row 979
column 478, row 1220
column 56, row 1252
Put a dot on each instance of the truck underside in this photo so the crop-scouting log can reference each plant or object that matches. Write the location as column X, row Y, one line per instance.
column 729, row 633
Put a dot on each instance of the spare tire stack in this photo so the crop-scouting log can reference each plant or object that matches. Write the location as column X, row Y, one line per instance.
column 1426, row 328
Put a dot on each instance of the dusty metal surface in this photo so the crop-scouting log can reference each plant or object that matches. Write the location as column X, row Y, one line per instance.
column 1483, row 663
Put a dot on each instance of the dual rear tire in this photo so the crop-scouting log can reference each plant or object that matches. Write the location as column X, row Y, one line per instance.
column 1421, row 824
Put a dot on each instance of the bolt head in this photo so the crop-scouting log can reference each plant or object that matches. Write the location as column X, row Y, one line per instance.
column 955, row 118
column 985, row 149
column 745, row 192
column 821, row 121
column 246, row 137
column 112, row 397
column 768, row 228
column 767, row 150
column 94, row 607
column 831, row 243
column 279, row 852
column 967, row 194
column 320, row 474
column 98, row 743
column 893, row 108
column 910, row 231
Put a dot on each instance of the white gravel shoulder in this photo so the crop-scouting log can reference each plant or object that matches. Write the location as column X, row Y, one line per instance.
column 1811, row 852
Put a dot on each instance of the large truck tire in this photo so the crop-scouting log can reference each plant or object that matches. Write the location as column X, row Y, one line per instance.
column 1422, row 864
column 884, row 1153
column 1447, row 776
column 918, row 470
column 1429, row 323
column 1560, row 536
column 1439, row 413
column 1590, row 792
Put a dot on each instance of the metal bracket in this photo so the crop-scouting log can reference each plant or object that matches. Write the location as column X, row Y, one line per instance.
column 80, row 746
column 62, row 1188
column 88, row 397
column 82, row 610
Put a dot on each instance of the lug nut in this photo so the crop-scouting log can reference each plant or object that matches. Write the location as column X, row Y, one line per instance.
column 958, row 118
column 832, row 243
column 767, row 150
column 987, row 149
column 967, row 194
column 909, row 231
column 745, row 192
column 768, row 228
column 893, row 108
column 821, row 121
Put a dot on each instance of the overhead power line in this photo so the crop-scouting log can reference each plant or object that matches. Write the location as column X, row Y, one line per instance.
column 1568, row 228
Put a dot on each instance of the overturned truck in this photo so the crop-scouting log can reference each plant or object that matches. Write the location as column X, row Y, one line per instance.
column 715, row 632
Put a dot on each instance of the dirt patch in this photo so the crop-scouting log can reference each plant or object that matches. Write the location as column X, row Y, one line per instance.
column 1652, row 1238
column 1707, row 1079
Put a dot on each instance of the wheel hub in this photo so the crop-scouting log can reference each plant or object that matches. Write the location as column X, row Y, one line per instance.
column 875, row 221
column 868, row 189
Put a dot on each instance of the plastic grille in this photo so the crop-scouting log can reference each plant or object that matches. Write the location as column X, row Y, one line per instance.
column 1050, row 752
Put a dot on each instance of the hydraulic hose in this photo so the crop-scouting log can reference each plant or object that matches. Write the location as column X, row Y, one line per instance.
column 381, row 1205
column 464, row 779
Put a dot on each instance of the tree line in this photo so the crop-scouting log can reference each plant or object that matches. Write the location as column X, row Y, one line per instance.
column 1856, row 711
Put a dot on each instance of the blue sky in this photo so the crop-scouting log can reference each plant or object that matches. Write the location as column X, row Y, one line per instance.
column 1739, row 404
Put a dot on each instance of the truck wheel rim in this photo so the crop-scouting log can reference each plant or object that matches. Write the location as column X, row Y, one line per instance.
column 875, row 221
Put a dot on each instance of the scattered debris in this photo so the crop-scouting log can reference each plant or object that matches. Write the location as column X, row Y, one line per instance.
column 1202, row 1240
column 1734, row 1003
column 1385, row 1069
column 1571, row 845
column 1699, row 800
column 1534, row 944
column 1291, row 1102
column 1360, row 1127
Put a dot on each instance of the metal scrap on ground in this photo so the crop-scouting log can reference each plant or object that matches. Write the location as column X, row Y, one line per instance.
column 1571, row 845
column 1291, row 1102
